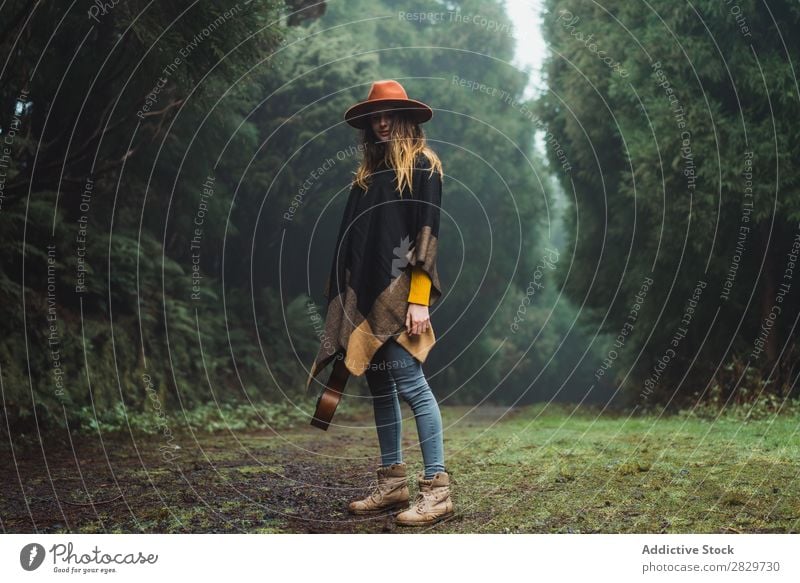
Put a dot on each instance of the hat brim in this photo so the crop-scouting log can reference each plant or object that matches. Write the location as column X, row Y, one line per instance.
column 358, row 115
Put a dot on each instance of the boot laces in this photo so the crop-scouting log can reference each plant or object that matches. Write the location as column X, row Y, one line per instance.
column 376, row 490
column 424, row 496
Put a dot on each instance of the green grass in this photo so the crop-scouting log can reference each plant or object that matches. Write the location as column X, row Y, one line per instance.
column 548, row 471
column 538, row 469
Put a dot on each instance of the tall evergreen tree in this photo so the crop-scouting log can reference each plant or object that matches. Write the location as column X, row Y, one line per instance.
column 679, row 121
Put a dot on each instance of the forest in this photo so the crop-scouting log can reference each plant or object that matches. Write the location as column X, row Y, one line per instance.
column 172, row 177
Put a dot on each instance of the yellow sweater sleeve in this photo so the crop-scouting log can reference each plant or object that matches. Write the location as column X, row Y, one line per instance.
column 420, row 287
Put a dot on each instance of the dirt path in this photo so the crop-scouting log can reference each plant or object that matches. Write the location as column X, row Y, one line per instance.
column 295, row 480
column 557, row 473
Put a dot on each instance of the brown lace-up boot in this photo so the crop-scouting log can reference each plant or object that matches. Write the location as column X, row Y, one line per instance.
column 432, row 504
column 390, row 492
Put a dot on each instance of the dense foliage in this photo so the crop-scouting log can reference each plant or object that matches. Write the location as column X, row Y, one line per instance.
column 680, row 125
column 174, row 180
column 172, row 177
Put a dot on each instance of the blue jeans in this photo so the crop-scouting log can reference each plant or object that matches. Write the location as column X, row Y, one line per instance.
column 394, row 371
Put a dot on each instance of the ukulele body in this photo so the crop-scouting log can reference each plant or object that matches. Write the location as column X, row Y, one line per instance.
column 331, row 396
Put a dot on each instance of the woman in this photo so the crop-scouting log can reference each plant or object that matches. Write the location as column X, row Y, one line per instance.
column 382, row 282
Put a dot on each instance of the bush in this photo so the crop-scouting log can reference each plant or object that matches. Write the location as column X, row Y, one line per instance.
column 742, row 405
column 209, row 417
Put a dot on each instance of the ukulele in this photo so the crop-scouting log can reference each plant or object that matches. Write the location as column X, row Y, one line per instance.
column 329, row 398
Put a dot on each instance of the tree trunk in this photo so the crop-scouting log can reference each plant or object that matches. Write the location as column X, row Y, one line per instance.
column 768, row 290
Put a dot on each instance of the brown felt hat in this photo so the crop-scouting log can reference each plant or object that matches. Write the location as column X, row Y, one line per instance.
column 384, row 95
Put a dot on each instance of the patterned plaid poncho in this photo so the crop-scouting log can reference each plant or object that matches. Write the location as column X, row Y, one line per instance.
column 381, row 237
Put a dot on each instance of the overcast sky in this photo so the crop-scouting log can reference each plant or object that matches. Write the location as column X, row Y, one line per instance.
column 530, row 44
column 525, row 14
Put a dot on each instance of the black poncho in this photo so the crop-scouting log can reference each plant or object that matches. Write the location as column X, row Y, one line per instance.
column 381, row 237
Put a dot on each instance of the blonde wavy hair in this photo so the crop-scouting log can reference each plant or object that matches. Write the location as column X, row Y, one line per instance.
column 406, row 140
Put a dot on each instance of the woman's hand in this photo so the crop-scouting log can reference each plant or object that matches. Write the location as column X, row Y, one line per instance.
column 417, row 319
